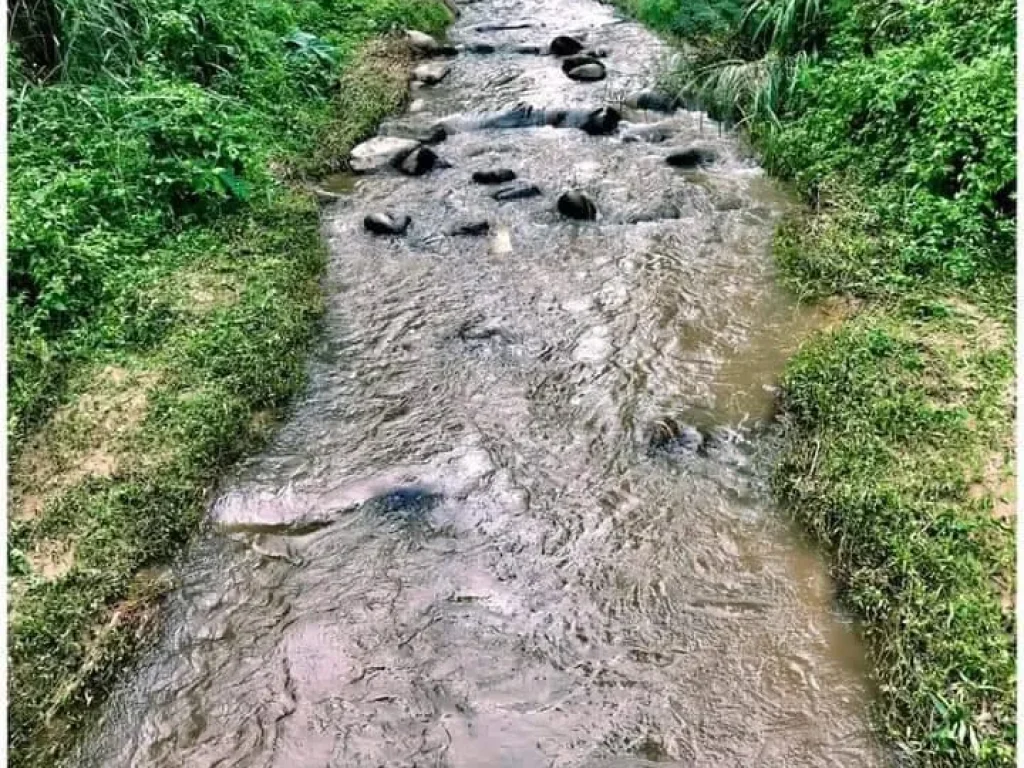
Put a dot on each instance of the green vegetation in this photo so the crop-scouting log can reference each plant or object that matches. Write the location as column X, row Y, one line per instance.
column 163, row 280
column 896, row 120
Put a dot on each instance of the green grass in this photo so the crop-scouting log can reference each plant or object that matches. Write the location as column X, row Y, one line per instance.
column 895, row 120
column 164, row 291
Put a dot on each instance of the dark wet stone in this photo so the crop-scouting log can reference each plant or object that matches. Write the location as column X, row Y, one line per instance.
column 563, row 45
column 587, row 73
column 418, row 161
column 654, row 101
column 601, row 122
column 387, row 223
column 528, row 49
column 435, row 134
column 471, row 229
column 484, row 48
column 518, row 192
column 575, row 205
column 692, row 157
column 494, row 176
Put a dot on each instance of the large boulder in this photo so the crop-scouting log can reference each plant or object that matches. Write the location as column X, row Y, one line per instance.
column 379, row 152
column 576, row 205
column 382, row 223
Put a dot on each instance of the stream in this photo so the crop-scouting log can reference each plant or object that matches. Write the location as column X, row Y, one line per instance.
column 520, row 516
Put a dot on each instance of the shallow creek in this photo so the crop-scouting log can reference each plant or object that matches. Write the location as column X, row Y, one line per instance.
column 462, row 549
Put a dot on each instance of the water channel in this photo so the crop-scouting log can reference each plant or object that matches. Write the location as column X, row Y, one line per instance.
column 461, row 550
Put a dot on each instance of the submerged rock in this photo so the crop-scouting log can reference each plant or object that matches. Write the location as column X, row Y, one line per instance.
column 576, row 205
column 431, row 72
column 670, row 436
column 472, row 229
column 484, row 48
column 691, row 157
column 405, row 504
column 518, row 192
column 653, row 133
column 379, row 152
column 494, row 176
column 661, row 212
column 563, row 45
column 387, row 223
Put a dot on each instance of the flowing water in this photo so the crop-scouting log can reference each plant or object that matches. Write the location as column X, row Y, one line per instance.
column 461, row 549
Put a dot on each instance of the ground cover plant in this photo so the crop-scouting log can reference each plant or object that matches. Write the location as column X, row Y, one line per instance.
column 163, row 276
column 895, row 120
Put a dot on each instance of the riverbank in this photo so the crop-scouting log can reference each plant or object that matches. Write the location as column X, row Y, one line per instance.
column 164, row 264
column 897, row 125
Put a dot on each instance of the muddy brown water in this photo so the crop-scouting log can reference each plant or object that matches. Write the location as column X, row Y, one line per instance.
column 459, row 551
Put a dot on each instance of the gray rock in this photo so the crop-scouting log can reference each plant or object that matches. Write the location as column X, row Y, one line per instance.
column 528, row 49
column 563, row 45
column 431, row 72
column 421, row 42
column 575, row 205
column 484, row 48
column 495, row 176
column 379, row 152
column 691, row 157
column 518, row 192
column 386, row 223
column 587, row 72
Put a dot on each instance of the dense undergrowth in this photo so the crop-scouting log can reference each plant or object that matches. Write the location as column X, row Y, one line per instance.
column 896, row 121
column 163, row 290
